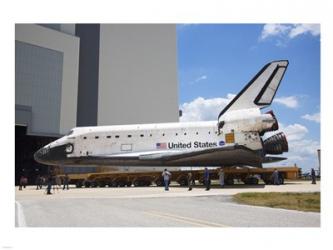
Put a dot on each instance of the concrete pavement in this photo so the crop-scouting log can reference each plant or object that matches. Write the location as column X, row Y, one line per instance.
column 153, row 207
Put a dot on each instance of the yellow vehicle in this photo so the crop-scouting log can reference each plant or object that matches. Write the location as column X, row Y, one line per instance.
column 249, row 176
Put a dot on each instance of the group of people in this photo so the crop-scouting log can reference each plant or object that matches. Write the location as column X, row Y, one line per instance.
column 56, row 182
column 276, row 178
column 50, row 181
column 190, row 180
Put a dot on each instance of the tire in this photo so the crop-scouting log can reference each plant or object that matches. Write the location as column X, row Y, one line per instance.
column 101, row 184
column 251, row 181
column 182, row 182
column 159, row 183
column 128, row 184
column 229, row 181
column 136, row 183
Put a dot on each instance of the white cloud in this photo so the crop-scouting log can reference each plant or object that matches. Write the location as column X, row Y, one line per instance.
column 201, row 109
column 288, row 101
column 299, row 29
column 288, row 31
column 273, row 30
column 314, row 117
column 295, row 131
column 200, row 78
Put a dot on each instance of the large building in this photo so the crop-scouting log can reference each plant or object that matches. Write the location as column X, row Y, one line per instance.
column 69, row 75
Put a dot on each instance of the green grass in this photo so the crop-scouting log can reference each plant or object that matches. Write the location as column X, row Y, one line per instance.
column 294, row 201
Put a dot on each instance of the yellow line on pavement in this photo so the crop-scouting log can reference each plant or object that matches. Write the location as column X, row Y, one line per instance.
column 188, row 220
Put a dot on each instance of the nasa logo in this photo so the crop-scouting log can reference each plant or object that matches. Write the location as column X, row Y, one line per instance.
column 221, row 143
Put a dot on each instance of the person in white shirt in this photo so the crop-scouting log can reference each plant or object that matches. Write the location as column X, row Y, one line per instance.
column 166, row 177
column 221, row 177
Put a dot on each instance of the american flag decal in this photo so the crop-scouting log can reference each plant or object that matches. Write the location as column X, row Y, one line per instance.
column 161, row 145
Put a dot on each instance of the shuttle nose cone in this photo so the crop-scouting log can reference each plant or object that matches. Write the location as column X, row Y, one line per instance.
column 41, row 155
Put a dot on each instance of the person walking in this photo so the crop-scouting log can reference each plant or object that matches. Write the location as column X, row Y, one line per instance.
column 66, row 182
column 189, row 181
column 58, row 182
column 38, row 180
column 166, row 177
column 49, row 184
column 313, row 176
column 221, row 177
column 207, row 179
column 21, row 182
column 275, row 177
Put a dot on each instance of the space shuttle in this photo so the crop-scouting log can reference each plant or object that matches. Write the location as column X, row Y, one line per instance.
column 236, row 138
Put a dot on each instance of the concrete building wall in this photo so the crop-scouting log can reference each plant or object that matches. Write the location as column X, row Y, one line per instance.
column 137, row 74
column 38, row 85
column 54, row 76
column 87, row 108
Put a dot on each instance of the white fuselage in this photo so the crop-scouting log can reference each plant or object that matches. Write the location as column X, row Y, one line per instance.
column 163, row 144
column 105, row 140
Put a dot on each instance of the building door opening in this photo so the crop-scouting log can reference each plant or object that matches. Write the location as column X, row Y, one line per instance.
column 25, row 147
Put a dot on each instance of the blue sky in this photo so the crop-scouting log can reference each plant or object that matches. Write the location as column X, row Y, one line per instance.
column 215, row 61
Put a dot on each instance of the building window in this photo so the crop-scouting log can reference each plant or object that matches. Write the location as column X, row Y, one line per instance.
column 208, row 132
column 150, row 135
column 185, row 134
column 141, row 135
column 96, row 137
column 163, row 134
column 176, row 134
column 117, row 136
column 196, row 133
column 129, row 136
column 84, row 137
column 109, row 136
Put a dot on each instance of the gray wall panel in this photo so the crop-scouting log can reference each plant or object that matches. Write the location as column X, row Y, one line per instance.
column 38, row 73
column 88, row 74
column 137, row 74
column 68, row 45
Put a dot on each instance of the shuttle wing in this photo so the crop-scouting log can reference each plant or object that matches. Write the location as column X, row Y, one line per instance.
column 217, row 156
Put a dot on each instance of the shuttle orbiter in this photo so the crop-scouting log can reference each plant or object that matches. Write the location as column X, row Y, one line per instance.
column 235, row 138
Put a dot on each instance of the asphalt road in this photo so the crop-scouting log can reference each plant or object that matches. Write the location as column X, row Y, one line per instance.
column 151, row 207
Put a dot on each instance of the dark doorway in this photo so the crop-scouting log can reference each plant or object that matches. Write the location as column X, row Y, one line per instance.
column 25, row 147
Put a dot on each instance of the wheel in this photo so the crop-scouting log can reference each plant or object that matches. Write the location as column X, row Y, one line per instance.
column 101, row 184
column 182, row 182
column 147, row 183
column 229, row 181
column 136, row 183
column 78, row 184
column 159, row 183
column 251, row 181
column 128, row 184
column 87, row 184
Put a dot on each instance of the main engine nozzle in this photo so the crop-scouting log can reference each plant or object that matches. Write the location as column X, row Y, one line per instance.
column 276, row 144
